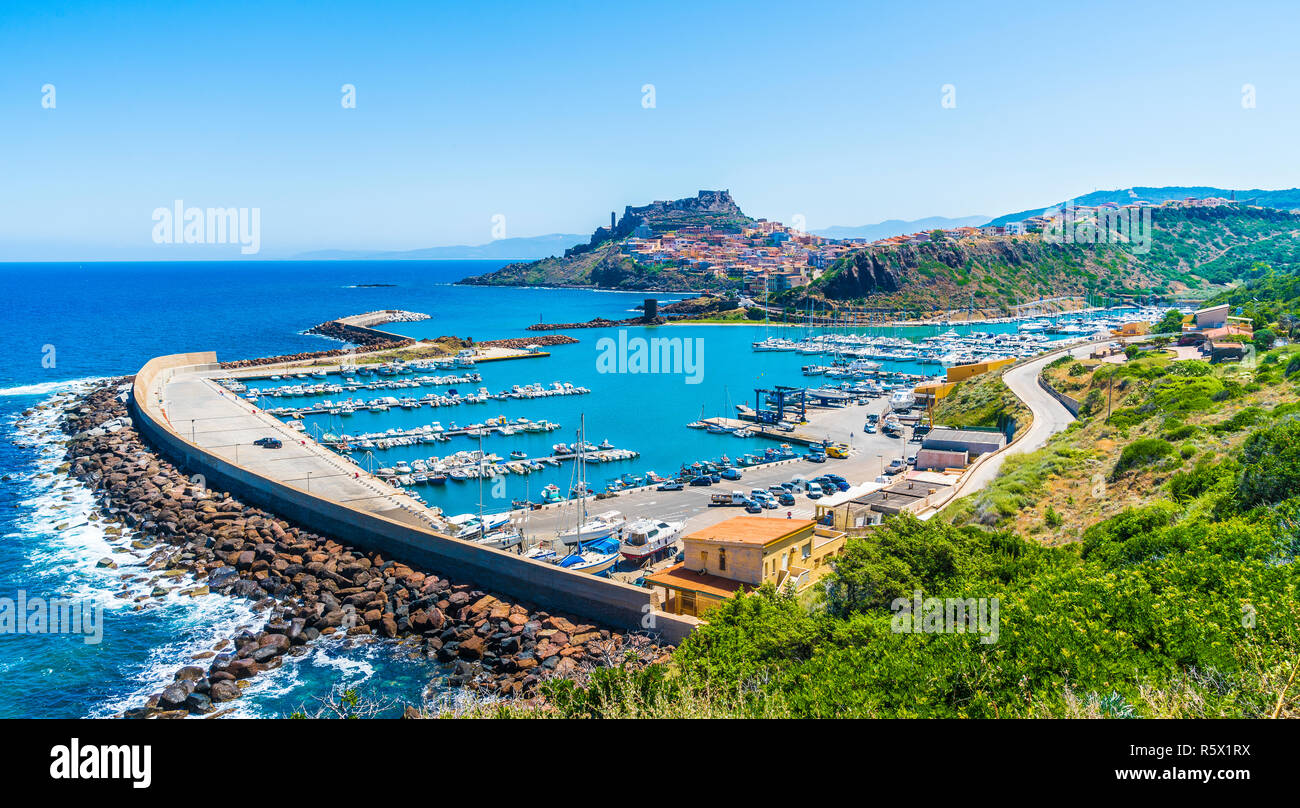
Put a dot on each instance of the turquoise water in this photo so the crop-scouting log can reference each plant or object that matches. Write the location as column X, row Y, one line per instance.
column 67, row 323
column 643, row 412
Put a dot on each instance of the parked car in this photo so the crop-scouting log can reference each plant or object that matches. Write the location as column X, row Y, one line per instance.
column 835, row 478
column 702, row 480
column 815, row 457
column 731, row 474
column 752, row 507
column 776, row 488
column 870, row 428
column 814, row 491
column 671, row 485
column 911, row 460
column 785, row 498
column 269, row 443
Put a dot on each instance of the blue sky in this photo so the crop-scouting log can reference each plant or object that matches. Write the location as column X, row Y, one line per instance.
column 468, row 110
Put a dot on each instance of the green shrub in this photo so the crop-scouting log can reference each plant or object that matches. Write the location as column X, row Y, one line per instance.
column 1176, row 430
column 1206, row 474
column 1270, row 465
column 1190, row 367
column 1239, row 420
column 1053, row 517
column 1131, row 535
column 1140, row 453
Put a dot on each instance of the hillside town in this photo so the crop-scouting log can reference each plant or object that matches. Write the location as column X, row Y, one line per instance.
column 772, row 257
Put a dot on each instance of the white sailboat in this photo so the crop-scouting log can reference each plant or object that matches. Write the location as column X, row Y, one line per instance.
column 593, row 546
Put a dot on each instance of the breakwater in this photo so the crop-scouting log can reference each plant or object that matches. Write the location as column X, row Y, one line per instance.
column 599, row 322
column 357, row 329
column 308, row 585
column 521, row 343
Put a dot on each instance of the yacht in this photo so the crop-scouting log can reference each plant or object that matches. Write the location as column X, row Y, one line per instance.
column 644, row 538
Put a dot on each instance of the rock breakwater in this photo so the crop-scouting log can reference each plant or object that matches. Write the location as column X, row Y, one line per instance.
column 202, row 542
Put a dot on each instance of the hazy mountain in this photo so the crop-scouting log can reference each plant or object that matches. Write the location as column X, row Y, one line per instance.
column 507, row 249
column 1285, row 199
column 898, row 227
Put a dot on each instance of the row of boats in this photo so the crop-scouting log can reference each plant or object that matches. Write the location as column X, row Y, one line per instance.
column 594, row 547
column 472, row 465
column 436, row 433
column 861, row 354
column 350, row 385
column 451, row 398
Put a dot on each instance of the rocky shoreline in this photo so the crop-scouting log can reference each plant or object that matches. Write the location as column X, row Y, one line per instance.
column 201, row 542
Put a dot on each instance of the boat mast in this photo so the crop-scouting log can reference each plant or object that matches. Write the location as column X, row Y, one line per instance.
column 582, row 475
column 482, row 527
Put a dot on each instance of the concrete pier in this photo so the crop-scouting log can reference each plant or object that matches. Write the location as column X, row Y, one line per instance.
column 180, row 410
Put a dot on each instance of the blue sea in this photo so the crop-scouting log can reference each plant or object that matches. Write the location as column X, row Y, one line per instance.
column 69, row 323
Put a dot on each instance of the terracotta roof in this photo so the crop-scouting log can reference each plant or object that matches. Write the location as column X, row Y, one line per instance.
column 759, row 530
column 678, row 577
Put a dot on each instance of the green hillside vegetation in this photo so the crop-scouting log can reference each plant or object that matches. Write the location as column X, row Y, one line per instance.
column 1193, row 248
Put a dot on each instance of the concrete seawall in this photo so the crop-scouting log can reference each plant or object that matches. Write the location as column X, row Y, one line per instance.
column 615, row 604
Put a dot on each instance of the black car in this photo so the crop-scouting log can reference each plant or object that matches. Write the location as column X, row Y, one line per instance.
column 785, row 499
column 269, row 443
column 702, row 480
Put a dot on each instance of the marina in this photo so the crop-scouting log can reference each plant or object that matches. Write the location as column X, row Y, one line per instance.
column 770, row 407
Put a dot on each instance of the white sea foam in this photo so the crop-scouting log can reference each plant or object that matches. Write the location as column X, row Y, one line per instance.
column 62, row 545
column 47, row 388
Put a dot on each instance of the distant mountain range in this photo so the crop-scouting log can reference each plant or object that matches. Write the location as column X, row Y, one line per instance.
column 898, row 227
column 505, row 249
column 1286, row 199
column 717, row 208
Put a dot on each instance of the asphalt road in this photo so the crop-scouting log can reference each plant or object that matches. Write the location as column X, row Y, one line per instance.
column 1050, row 417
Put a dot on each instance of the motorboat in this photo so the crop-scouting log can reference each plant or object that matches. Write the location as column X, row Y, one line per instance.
column 644, row 538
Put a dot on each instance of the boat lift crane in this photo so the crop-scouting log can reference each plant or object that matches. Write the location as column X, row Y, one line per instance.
column 785, row 396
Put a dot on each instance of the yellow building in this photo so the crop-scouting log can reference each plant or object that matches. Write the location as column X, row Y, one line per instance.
column 958, row 373
column 742, row 553
column 1132, row 329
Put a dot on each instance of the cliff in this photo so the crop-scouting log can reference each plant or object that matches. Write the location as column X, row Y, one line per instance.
column 599, row 262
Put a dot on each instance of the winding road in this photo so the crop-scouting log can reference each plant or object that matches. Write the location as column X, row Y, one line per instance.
column 1050, row 417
